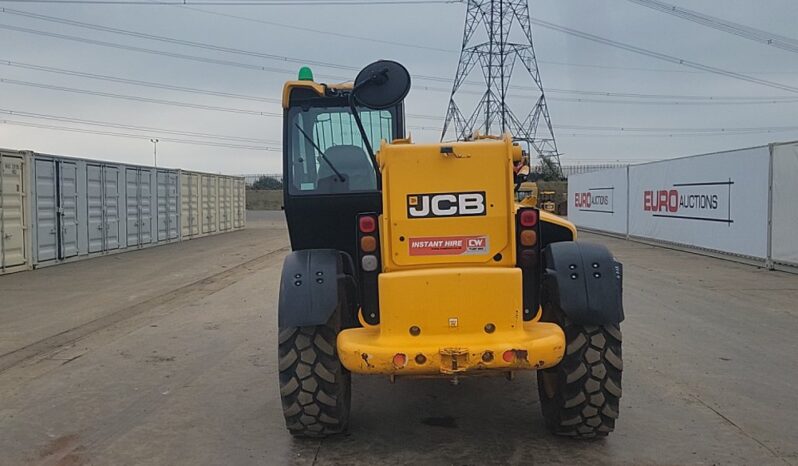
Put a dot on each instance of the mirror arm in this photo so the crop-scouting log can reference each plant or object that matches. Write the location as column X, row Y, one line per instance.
column 364, row 136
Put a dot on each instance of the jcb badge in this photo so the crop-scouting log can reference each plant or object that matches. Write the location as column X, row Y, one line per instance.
column 446, row 204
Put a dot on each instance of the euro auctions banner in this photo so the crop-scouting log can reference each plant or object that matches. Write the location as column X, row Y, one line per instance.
column 597, row 200
column 715, row 201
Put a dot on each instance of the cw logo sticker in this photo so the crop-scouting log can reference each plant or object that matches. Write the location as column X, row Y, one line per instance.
column 446, row 204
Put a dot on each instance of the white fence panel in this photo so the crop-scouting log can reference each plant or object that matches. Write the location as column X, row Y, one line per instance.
column 715, row 201
column 598, row 200
column 785, row 204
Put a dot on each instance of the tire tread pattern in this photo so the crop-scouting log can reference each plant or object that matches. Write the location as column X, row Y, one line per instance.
column 315, row 388
column 587, row 382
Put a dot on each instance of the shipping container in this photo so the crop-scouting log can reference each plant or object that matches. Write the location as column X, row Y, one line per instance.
column 209, row 202
column 168, row 207
column 225, row 203
column 56, row 209
column 14, row 238
column 85, row 208
column 103, row 207
column 138, row 207
column 239, row 203
column 189, row 204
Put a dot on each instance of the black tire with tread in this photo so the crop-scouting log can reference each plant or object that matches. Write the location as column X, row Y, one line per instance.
column 315, row 388
column 587, row 382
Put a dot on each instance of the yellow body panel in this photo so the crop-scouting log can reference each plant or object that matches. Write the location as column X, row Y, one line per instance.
column 483, row 166
column 460, row 313
column 549, row 217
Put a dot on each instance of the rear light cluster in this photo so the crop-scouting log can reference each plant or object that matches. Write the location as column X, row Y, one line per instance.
column 528, row 257
column 368, row 250
column 527, row 237
column 367, row 241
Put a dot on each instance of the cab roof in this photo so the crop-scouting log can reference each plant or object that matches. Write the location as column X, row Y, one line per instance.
column 318, row 88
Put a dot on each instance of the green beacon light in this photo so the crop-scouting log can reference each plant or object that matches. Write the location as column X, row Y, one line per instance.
column 305, row 74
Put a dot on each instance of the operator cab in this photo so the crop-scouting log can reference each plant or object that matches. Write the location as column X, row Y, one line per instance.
column 329, row 175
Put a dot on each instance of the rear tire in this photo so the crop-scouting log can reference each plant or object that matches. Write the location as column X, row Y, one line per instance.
column 315, row 388
column 580, row 397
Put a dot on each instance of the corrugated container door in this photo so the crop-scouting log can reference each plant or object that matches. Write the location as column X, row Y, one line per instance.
column 236, row 204
column 226, row 204
column 12, row 225
column 167, row 205
column 243, row 193
column 185, row 205
column 111, row 205
column 68, row 207
column 205, row 186
column 46, row 210
column 173, row 207
column 195, row 204
column 132, row 207
column 138, row 202
column 145, row 205
column 96, row 213
column 210, row 203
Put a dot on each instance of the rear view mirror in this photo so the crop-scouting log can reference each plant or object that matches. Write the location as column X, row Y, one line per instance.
column 381, row 85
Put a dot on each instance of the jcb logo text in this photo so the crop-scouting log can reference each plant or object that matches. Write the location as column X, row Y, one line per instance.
column 446, row 204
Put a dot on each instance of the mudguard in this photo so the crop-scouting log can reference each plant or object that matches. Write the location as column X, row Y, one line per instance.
column 311, row 287
column 585, row 280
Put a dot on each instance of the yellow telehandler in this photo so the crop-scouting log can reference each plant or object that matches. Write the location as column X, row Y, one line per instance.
column 416, row 260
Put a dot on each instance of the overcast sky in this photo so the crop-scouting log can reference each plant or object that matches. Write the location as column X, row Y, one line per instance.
column 431, row 35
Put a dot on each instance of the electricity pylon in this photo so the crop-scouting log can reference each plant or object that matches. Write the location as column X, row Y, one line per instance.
column 487, row 42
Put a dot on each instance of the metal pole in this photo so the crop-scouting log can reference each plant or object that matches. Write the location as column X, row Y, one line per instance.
column 155, row 151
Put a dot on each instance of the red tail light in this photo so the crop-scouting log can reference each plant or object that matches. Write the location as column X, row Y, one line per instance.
column 529, row 218
column 367, row 224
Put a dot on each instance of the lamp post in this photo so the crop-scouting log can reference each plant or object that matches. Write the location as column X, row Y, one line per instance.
column 155, row 151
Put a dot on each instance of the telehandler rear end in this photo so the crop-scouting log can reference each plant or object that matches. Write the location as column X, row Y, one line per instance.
column 417, row 261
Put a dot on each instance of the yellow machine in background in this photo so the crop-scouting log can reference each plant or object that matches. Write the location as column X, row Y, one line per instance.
column 424, row 260
column 547, row 201
column 527, row 194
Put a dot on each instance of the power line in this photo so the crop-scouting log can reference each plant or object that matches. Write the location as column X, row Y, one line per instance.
column 676, row 99
column 181, row 56
column 137, row 98
column 239, row 2
column 202, row 45
column 443, row 50
column 740, row 30
column 171, row 87
column 172, row 40
column 149, row 129
column 137, row 136
column 318, row 31
column 671, row 103
column 670, row 135
column 654, row 99
column 688, row 99
column 662, row 56
column 183, row 42
column 677, row 129
column 661, row 131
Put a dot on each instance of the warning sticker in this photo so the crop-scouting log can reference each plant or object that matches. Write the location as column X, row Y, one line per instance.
column 449, row 246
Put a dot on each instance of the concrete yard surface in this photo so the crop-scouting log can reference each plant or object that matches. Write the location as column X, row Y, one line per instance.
column 167, row 356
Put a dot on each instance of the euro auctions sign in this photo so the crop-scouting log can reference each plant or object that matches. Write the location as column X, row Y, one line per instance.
column 715, row 201
column 708, row 201
column 595, row 200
